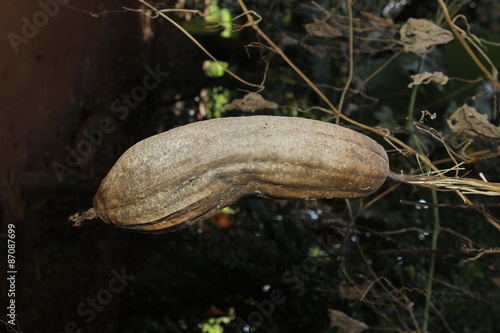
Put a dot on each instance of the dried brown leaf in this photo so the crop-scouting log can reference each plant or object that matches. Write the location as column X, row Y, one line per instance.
column 467, row 119
column 496, row 281
column 354, row 292
column 321, row 28
column 250, row 103
column 426, row 78
column 420, row 35
column 345, row 323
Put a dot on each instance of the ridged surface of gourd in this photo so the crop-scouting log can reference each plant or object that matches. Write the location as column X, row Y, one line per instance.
column 180, row 177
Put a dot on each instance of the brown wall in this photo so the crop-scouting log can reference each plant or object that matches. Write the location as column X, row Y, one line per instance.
column 58, row 75
column 60, row 69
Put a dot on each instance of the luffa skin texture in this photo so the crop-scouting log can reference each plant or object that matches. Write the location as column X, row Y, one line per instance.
column 183, row 176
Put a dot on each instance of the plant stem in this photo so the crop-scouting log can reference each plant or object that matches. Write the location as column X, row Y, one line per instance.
column 428, row 286
column 435, row 210
column 351, row 59
column 411, row 107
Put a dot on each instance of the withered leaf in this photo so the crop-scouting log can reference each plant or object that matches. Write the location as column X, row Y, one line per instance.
column 467, row 119
column 496, row 281
column 321, row 28
column 354, row 292
column 419, row 35
column 250, row 103
column 345, row 323
column 426, row 78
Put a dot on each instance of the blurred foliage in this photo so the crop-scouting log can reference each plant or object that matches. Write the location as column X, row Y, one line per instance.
column 280, row 265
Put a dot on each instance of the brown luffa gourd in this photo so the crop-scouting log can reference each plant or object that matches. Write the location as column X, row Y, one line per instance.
column 183, row 176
